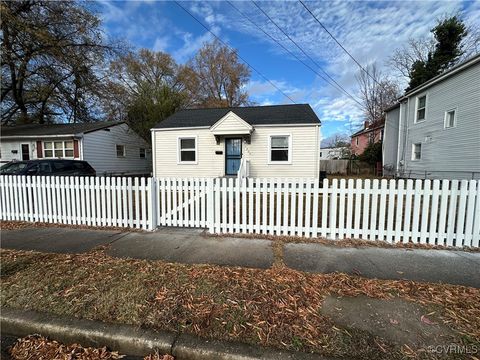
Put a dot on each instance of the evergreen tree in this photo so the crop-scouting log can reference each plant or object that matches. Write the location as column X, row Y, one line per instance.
column 448, row 36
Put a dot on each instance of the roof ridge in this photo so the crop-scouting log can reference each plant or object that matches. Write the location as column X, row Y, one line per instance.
column 242, row 107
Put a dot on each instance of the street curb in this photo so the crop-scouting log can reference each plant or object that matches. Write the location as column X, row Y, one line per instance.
column 131, row 340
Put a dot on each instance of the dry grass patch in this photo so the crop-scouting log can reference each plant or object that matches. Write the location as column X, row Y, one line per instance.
column 277, row 307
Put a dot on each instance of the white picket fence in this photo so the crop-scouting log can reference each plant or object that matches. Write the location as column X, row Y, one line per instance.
column 438, row 212
column 74, row 200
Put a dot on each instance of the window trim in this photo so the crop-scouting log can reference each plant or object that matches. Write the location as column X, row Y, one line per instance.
column 413, row 151
column 269, row 155
column 64, row 149
column 417, row 100
column 179, row 149
column 124, row 151
column 454, row 118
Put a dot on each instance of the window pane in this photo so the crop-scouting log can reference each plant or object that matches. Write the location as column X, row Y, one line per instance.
column 142, row 152
column 187, row 143
column 451, row 119
column 279, row 155
column 48, row 153
column 47, row 145
column 279, row 141
column 68, row 144
column 59, row 153
column 422, row 102
column 187, row 155
column 58, row 145
column 69, row 153
column 120, row 150
column 421, row 114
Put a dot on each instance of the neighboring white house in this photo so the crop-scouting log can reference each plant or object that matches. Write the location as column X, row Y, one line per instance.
column 332, row 153
column 111, row 148
column 261, row 141
column 434, row 130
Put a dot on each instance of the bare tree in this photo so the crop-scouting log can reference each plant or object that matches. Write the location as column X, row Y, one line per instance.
column 217, row 77
column 376, row 95
column 53, row 54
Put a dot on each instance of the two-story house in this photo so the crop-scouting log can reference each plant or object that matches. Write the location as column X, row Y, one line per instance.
column 434, row 130
column 370, row 133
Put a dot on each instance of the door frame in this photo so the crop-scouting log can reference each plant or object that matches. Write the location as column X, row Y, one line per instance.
column 226, row 156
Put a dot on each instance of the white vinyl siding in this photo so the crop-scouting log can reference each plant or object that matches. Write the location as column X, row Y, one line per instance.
column 211, row 156
column 99, row 149
column 446, row 154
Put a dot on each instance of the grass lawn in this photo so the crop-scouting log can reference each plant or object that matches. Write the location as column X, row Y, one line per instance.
column 276, row 307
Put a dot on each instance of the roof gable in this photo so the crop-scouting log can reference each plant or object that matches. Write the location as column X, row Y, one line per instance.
column 231, row 123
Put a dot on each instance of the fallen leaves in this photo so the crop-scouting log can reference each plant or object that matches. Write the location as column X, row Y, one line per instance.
column 38, row 347
column 274, row 307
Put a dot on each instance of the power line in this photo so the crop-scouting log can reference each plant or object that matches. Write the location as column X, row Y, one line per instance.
column 304, row 52
column 288, row 51
column 339, row 44
column 241, row 58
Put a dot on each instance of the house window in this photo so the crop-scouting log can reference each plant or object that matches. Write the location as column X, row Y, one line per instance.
column 142, row 153
column 450, row 118
column 416, row 151
column 58, row 149
column 120, row 150
column 356, row 141
column 187, row 150
column 421, row 108
column 280, row 149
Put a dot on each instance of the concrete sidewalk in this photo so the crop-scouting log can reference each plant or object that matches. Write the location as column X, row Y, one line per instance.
column 192, row 246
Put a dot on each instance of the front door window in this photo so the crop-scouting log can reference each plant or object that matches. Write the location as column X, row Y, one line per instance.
column 233, row 155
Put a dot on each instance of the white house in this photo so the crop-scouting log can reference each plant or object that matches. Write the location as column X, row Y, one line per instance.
column 434, row 130
column 332, row 153
column 111, row 148
column 258, row 141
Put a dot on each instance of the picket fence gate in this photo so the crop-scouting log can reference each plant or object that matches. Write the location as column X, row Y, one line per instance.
column 438, row 212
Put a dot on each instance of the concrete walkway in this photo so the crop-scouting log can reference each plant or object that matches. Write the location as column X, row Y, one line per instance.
column 192, row 246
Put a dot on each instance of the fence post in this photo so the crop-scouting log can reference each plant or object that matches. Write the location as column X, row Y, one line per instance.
column 152, row 204
column 210, row 206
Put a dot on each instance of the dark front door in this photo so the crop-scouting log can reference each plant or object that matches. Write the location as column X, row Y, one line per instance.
column 233, row 155
column 25, row 152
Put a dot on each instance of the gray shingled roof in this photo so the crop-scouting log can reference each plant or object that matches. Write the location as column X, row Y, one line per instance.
column 254, row 115
column 55, row 129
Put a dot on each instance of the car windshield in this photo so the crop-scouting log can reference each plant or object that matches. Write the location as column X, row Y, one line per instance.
column 13, row 167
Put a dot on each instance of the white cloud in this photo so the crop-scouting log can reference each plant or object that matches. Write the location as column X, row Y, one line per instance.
column 161, row 43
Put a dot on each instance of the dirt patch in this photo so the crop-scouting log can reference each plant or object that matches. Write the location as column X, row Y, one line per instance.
column 396, row 320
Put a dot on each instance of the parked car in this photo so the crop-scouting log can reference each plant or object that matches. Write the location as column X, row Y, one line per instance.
column 51, row 167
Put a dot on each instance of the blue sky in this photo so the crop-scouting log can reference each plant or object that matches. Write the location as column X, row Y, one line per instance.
column 369, row 30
